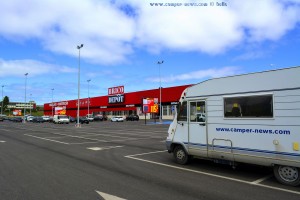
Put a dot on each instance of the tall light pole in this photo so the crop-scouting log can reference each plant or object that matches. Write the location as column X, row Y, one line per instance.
column 30, row 103
column 160, row 108
column 2, row 100
column 25, row 97
column 88, row 96
column 78, row 102
column 52, row 103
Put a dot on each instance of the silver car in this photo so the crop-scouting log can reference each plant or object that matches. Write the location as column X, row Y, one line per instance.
column 117, row 119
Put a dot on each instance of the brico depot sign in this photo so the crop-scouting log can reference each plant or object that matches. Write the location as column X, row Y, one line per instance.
column 116, row 95
column 116, row 99
column 116, row 90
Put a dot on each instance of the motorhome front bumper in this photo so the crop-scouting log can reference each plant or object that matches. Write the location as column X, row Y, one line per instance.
column 168, row 145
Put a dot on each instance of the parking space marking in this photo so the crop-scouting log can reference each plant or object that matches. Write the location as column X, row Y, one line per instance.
column 1, row 141
column 255, row 183
column 97, row 134
column 258, row 181
column 6, row 130
column 82, row 143
column 103, row 148
column 56, row 137
column 74, row 136
column 92, row 140
column 134, row 133
column 46, row 139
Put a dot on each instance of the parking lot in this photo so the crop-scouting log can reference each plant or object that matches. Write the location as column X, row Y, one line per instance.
column 117, row 160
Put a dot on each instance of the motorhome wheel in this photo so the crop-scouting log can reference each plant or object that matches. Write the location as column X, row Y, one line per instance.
column 181, row 157
column 287, row 175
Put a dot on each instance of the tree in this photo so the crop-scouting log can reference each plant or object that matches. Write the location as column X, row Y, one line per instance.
column 5, row 102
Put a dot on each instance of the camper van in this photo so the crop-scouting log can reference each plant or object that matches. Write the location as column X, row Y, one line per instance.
column 252, row 118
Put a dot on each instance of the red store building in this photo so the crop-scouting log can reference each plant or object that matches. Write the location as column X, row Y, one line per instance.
column 119, row 103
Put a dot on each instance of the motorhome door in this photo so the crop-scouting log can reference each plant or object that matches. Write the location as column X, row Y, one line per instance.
column 197, row 128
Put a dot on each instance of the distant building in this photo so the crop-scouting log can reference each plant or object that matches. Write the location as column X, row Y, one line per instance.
column 20, row 105
column 117, row 102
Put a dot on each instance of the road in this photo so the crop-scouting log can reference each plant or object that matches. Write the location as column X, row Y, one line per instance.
column 105, row 160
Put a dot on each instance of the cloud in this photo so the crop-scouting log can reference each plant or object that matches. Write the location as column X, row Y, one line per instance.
column 198, row 75
column 213, row 30
column 18, row 68
column 112, row 31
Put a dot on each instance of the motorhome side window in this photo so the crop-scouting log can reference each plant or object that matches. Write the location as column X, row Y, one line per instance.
column 182, row 111
column 197, row 111
column 249, row 107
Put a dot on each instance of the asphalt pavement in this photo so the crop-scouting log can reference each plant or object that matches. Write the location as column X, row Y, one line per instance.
column 117, row 160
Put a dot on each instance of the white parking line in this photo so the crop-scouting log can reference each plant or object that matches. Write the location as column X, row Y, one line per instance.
column 83, row 143
column 258, row 181
column 74, row 136
column 1, row 141
column 97, row 134
column 46, row 139
column 255, row 183
column 103, row 148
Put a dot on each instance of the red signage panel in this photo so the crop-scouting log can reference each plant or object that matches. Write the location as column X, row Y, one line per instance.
column 116, row 90
column 150, row 105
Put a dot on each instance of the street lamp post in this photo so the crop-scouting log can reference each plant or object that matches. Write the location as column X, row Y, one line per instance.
column 78, row 102
column 30, row 103
column 160, row 108
column 52, row 103
column 88, row 96
column 2, row 101
column 24, row 121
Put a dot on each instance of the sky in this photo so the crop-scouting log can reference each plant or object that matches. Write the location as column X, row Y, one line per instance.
column 123, row 41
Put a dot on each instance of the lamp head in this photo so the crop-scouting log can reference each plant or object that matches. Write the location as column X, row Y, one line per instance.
column 78, row 47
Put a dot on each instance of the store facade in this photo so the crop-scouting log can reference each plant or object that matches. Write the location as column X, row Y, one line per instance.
column 117, row 102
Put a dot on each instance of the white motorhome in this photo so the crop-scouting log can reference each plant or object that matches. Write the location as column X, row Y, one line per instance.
column 252, row 118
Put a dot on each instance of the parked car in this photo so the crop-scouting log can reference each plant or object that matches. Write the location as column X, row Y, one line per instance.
column 90, row 117
column 200, row 117
column 29, row 118
column 132, row 118
column 61, row 119
column 38, row 120
column 117, row 119
column 83, row 120
column 72, row 119
column 17, row 119
column 100, row 117
column 46, row 118
column 50, row 119
column 1, row 119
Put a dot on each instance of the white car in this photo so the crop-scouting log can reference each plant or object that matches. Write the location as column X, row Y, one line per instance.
column 46, row 118
column 29, row 118
column 61, row 119
column 117, row 119
column 90, row 117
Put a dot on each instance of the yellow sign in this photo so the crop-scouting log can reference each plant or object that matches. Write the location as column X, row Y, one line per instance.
column 154, row 108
